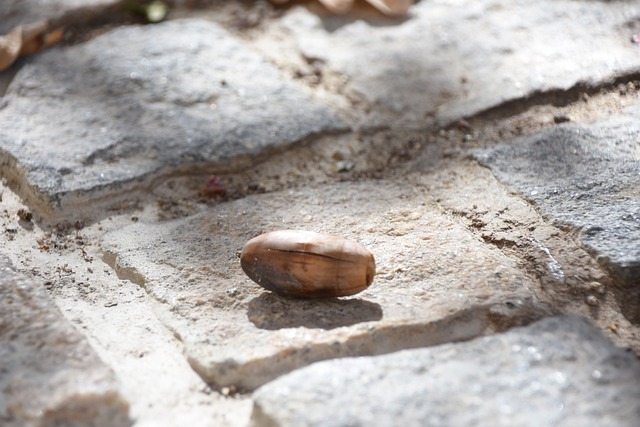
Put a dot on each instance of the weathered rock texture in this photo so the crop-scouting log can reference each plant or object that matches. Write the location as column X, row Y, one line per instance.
column 448, row 59
column 49, row 375
column 587, row 178
column 99, row 117
column 335, row 120
column 435, row 282
column 559, row 371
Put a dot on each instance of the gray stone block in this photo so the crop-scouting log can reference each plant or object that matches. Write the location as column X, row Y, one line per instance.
column 98, row 118
column 586, row 177
column 49, row 375
column 435, row 281
column 559, row 371
column 449, row 59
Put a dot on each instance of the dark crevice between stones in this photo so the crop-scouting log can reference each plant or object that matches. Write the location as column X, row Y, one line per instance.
column 628, row 299
column 625, row 286
column 554, row 97
column 88, row 206
column 623, row 280
column 6, row 77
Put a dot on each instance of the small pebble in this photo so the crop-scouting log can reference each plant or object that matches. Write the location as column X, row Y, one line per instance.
column 597, row 288
column 337, row 156
column 561, row 118
column 623, row 89
column 344, row 166
column 228, row 391
column 592, row 300
column 256, row 186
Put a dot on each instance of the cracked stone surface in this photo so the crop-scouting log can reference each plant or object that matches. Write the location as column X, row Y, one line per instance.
column 586, row 177
column 333, row 124
column 559, row 371
column 50, row 376
column 21, row 12
column 179, row 95
column 462, row 57
column 435, row 282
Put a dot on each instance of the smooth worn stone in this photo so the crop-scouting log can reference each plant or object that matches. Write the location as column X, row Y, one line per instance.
column 450, row 59
column 25, row 12
column 49, row 375
column 435, row 281
column 586, row 177
column 559, row 372
column 183, row 96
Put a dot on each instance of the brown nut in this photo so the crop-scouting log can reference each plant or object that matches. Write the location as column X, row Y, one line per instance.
column 307, row 264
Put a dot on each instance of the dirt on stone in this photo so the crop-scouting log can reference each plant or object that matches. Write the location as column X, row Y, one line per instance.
column 117, row 316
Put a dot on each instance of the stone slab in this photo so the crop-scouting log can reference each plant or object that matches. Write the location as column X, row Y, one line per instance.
column 99, row 117
column 24, row 12
column 49, row 375
column 559, row 371
column 454, row 58
column 435, row 282
column 586, row 177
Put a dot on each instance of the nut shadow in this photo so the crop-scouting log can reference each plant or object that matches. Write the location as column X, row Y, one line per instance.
column 271, row 311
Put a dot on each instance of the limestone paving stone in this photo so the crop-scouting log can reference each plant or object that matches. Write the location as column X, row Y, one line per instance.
column 103, row 115
column 24, row 12
column 435, row 282
column 49, row 375
column 586, row 177
column 452, row 58
column 559, row 371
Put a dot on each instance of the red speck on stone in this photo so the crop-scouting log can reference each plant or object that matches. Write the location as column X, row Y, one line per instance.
column 214, row 187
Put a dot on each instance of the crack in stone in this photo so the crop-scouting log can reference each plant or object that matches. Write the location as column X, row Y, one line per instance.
column 553, row 97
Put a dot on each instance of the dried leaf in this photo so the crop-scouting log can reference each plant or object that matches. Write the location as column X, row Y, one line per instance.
column 10, row 45
column 37, row 37
column 24, row 40
column 392, row 7
column 338, row 7
column 388, row 7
